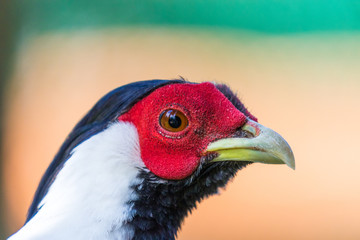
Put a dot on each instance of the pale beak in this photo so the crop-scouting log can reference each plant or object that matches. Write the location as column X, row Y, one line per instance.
column 264, row 146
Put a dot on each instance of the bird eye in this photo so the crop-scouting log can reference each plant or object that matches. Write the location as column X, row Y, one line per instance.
column 173, row 120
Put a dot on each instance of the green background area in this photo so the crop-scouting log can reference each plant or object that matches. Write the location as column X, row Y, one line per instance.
column 281, row 16
column 21, row 18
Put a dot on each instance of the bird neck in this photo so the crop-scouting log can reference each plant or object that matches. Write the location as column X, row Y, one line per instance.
column 104, row 191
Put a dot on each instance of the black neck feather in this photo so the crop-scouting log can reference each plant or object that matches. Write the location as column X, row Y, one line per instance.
column 162, row 205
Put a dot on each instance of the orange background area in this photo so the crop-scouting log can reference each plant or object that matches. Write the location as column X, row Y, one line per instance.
column 306, row 87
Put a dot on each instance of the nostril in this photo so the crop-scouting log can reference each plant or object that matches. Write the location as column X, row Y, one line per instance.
column 250, row 129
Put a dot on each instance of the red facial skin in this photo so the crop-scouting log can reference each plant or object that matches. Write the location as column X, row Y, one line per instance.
column 176, row 155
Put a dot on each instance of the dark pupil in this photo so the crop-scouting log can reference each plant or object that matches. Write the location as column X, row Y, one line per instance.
column 174, row 121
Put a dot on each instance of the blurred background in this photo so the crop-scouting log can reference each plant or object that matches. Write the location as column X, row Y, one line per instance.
column 295, row 65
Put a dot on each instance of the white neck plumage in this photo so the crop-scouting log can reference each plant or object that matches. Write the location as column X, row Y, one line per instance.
column 90, row 196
